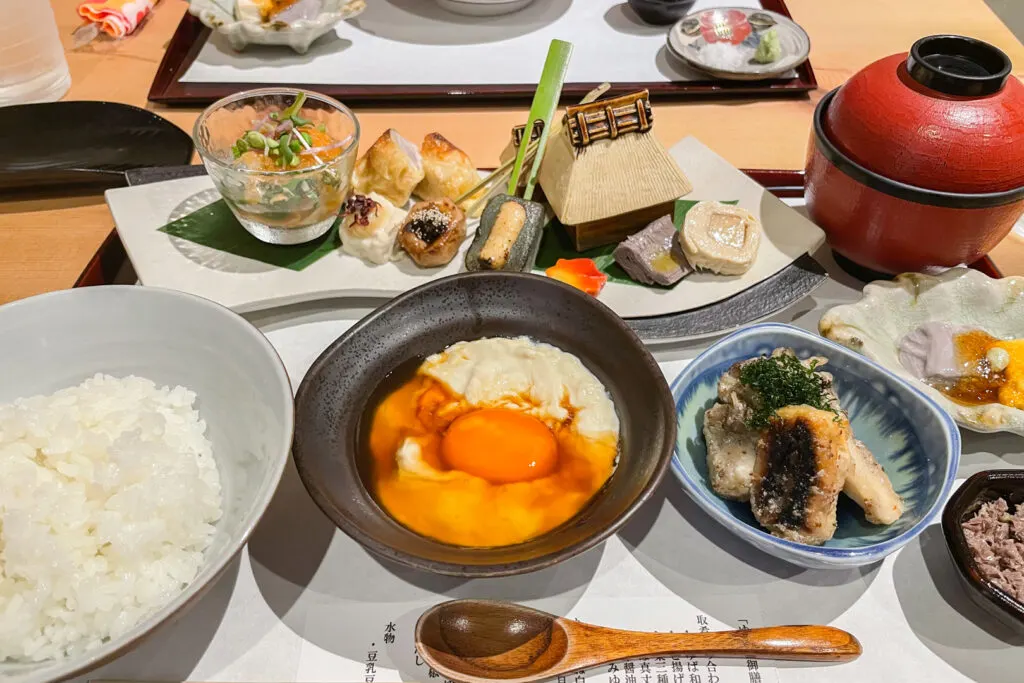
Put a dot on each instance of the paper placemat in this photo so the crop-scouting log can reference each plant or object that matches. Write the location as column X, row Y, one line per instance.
column 306, row 603
column 389, row 654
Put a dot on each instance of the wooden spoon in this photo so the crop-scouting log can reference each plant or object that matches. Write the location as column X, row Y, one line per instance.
column 484, row 640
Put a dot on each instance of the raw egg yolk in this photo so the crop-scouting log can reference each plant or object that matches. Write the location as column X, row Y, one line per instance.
column 500, row 446
column 1012, row 393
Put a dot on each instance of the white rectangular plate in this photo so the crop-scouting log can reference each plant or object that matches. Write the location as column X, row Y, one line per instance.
column 247, row 285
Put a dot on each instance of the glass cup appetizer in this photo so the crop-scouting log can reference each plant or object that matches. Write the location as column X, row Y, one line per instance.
column 281, row 158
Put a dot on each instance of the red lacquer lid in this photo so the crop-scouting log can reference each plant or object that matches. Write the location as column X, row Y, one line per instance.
column 947, row 116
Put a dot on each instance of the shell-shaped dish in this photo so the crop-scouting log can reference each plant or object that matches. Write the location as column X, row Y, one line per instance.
column 298, row 33
column 889, row 310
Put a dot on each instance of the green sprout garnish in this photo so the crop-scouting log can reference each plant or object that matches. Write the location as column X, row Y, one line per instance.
column 295, row 106
column 284, row 148
column 784, row 381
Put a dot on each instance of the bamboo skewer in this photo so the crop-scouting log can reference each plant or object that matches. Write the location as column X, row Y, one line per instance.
column 502, row 173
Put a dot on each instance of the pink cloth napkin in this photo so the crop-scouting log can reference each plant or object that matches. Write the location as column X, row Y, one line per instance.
column 117, row 18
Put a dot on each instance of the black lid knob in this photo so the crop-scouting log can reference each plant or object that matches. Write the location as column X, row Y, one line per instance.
column 957, row 65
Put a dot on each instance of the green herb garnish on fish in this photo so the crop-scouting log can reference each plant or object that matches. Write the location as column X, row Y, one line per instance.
column 782, row 381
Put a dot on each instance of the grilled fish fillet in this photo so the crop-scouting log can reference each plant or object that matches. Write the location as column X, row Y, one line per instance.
column 731, row 453
column 801, row 466
column 869, row 486
column 731, row 445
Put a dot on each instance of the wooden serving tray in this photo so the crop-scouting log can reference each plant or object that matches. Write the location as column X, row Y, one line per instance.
column 191, row 36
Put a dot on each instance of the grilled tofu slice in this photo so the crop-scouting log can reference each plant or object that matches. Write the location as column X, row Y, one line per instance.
column 800, row 469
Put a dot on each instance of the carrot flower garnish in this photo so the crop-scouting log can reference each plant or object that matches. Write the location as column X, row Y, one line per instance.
column 581, row 273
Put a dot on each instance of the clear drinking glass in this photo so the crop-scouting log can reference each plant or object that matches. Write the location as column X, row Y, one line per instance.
column 32, row 63
column 276, row 204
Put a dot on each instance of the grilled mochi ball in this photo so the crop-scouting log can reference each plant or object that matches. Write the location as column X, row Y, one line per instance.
column 800, row 469
column 432, row 232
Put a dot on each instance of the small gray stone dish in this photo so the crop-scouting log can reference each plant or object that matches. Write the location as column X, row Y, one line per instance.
column 341, row 386
column 524, row 251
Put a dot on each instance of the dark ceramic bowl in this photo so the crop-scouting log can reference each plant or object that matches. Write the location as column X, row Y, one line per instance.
column 341, row 384
column 661, row 12
column 982, row 488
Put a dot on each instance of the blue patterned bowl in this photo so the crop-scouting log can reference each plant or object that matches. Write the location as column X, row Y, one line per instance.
column 911, row 436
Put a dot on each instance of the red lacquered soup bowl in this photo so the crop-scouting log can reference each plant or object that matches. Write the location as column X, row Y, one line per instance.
column 881, row 194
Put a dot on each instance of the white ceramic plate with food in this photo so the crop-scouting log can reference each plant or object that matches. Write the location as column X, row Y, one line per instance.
column 261, row 22
column 246, row 285
column 769, row 43
column 959, row 301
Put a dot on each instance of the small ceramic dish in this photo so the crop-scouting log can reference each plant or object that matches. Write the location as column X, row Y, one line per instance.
column 483, row 8
column 908, row 433
column 722, row 42
column 982, row 488
column 297, row 27
column 333, row 399
column 875, row 325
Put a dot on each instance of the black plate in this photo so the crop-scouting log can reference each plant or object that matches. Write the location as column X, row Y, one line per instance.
column 342, row 382
column 982, row 488
column 77, row 146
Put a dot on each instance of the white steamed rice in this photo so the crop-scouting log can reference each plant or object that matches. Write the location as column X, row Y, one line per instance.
column 108, row 497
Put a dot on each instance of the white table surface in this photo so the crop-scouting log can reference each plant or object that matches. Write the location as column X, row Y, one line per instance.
column 303, row 601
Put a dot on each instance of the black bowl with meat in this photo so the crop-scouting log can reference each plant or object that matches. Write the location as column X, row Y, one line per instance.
column 984, row 528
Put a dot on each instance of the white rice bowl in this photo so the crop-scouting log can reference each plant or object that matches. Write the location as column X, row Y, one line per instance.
column 244, row 398
column 108, row 498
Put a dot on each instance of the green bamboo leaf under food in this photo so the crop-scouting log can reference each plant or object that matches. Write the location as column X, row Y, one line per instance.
column 683, row 206
column 545, row 101
column 557, row 244
column 214, row 226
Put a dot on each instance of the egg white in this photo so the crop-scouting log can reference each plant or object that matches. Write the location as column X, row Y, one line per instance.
column 500, row 372
column 519, row 374
column 249, row 10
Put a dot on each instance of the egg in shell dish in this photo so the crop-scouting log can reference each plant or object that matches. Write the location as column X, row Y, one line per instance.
column 492, row 442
